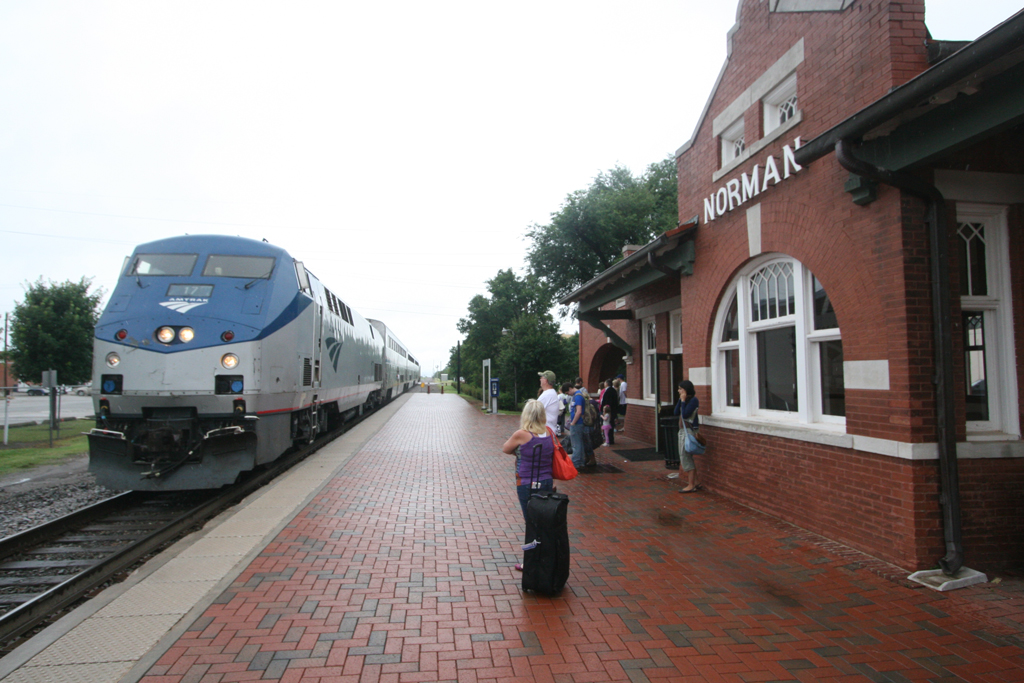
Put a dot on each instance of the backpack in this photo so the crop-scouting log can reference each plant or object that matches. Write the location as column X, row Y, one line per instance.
column 590, row 414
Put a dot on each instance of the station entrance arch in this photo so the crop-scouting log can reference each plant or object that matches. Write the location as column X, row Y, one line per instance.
column 609, row 360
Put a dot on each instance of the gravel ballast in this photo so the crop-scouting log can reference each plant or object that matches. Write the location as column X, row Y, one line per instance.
column 29, row 498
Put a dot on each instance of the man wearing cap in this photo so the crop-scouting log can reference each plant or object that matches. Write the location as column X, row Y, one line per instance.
column 549, row 398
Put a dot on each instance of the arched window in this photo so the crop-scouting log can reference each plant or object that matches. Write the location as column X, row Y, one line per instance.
column 778, row 353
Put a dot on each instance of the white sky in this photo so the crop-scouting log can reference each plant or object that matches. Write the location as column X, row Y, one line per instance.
column 399, row 149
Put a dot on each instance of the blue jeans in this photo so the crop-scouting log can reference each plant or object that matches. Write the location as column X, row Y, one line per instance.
column 524, row 491
column 579, row 449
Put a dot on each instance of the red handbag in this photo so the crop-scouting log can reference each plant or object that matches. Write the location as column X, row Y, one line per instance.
column 561, row 465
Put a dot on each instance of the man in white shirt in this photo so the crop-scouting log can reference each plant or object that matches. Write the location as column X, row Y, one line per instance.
column 549, row 398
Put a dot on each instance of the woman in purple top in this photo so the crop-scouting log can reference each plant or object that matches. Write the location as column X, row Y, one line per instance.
column 534, row 449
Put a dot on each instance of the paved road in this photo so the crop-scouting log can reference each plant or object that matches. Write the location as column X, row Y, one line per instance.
column 22, row 408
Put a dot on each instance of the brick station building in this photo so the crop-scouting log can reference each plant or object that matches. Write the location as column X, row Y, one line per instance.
column 856, row 377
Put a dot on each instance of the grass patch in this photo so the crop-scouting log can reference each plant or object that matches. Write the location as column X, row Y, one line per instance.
column 40, row 434
column 449, row 388
column 29, row 446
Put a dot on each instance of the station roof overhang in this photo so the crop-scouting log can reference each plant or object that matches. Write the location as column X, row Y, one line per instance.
column 669, row 255
column 967, row 97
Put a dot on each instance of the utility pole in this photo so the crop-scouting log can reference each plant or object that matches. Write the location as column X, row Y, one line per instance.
column 7, row 391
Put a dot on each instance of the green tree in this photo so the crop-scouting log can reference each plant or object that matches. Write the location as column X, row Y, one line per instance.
column 52, row 329
column 587, row 234
column 513, row 327
column 533, row 343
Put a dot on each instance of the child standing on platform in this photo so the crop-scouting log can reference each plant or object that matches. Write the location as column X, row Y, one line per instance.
column 608, row 424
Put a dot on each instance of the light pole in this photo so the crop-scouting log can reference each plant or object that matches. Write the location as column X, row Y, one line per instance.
column 7, row 392
column 6, row 379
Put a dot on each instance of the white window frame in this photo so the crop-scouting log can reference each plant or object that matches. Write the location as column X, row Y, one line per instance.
column 814, row 338
column 729, row 138
column 718, row 365
column 650, row 357
column 675, row 331
column 773, row 101
column 808, row 365
column 1001, row 372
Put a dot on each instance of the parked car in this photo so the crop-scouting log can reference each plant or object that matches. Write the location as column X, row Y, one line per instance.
column 83, row 389
column 38, row 391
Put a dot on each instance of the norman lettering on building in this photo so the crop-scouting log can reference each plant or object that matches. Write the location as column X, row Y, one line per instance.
column 738, row 191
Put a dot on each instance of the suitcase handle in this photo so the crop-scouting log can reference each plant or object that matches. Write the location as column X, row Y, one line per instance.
column 535, row 469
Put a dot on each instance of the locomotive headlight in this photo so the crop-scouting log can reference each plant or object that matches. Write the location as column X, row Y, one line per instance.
column 113, row 360
column 186, row 334
column 165, row 335
column 229, row 361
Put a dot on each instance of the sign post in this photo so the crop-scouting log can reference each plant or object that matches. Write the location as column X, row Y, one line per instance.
column 7, row 390
column 485, row 381
column 50, row 381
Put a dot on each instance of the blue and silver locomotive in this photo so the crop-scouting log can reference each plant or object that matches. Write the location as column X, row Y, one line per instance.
column 217, row 354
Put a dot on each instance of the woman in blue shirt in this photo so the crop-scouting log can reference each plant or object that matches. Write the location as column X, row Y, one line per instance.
column 686, row 409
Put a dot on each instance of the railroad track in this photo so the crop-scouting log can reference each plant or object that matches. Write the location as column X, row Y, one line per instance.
column 47, row 568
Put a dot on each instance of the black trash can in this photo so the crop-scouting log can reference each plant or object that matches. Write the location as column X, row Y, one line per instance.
column 670, row 441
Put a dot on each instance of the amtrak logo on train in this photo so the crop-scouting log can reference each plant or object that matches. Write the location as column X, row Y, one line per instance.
column 334, row 350
column 183, row 305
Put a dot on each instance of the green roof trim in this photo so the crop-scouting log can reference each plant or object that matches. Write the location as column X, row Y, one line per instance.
column 673, row 251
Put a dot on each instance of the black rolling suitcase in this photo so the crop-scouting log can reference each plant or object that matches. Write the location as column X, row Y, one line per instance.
column 546, row 552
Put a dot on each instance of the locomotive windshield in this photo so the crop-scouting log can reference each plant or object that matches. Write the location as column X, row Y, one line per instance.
column 252, row 267
column 163, row 264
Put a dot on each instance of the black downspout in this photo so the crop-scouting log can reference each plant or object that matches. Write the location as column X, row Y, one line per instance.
column 938, row 236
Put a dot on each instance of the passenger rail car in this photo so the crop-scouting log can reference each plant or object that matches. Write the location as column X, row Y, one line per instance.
column 217, row 354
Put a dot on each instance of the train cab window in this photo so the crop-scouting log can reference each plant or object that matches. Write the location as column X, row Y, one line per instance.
column 252, row 267
column 163, row 264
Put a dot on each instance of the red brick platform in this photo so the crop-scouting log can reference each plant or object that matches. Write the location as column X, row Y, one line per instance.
column 401, row 570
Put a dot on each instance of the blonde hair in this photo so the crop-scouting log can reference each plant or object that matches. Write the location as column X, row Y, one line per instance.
column 534, row 418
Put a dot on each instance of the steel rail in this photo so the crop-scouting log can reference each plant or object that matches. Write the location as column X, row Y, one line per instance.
column 19, row 542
